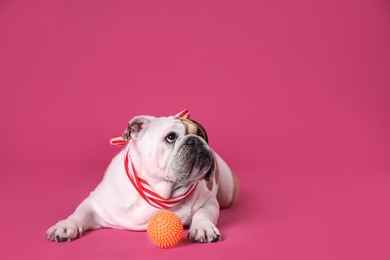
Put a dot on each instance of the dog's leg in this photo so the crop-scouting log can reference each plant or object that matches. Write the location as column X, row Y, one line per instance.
column 83, row 219
column 203, row 227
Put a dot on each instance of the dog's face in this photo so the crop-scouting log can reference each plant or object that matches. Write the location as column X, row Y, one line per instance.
column 173, row 149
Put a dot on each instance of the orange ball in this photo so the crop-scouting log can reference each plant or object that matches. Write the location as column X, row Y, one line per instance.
column 165, row 229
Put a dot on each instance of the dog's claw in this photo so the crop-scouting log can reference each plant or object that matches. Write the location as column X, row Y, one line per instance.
column 206, row 233
column 65, row 230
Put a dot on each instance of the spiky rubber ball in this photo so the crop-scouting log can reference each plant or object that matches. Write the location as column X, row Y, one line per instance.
column 165, row 229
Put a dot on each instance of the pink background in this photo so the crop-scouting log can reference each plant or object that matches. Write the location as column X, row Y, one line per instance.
column 295, row 96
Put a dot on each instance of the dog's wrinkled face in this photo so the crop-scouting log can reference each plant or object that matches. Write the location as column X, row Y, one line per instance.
column 175, row 149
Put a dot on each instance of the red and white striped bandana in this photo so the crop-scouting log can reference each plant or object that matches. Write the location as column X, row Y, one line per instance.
column 142, row 186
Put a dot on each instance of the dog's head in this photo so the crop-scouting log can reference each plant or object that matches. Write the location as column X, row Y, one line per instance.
column 174, row 149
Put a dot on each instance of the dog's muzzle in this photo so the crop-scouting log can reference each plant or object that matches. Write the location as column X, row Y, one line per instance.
column 198, row 160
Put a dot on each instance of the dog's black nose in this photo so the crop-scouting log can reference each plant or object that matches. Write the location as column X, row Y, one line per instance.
column 193, row 141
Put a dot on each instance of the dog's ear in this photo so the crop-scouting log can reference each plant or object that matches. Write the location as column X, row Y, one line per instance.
column 136, row 126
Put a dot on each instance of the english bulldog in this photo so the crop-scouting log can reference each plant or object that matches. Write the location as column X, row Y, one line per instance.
column 166, row 164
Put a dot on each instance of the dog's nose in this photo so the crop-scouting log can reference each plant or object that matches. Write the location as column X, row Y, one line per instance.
column 193, row 141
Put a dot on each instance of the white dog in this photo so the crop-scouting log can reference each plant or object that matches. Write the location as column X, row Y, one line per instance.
column 165, row 165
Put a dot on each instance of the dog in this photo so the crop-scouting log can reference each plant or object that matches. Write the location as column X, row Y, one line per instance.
column 166, row 164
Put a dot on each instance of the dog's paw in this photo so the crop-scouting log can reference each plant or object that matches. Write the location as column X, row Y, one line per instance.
column 205, row 232
column 64, row 230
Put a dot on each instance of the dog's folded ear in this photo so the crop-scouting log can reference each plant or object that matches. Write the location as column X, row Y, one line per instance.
column 135, row 127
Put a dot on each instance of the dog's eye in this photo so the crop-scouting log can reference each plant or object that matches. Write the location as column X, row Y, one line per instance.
column 171, row 138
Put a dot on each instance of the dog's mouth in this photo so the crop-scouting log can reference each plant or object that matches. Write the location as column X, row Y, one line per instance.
column 202, row 165
column 193, row 163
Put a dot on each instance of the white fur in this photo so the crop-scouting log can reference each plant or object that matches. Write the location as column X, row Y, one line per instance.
column 115, row 203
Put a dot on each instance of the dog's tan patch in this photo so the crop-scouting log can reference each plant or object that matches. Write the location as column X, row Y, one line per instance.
column 216, row 175
column 210, row 184
column 236, row 189
column 192, row 127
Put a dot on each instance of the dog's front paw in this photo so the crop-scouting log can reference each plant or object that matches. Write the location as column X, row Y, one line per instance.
column 65, row 230
column 205, row 232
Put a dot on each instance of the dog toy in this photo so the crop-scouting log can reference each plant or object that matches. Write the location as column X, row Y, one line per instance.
column 165, row 229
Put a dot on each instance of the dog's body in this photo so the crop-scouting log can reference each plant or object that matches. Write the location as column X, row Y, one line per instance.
column 170, row 157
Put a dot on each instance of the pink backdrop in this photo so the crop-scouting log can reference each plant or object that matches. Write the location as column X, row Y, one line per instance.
column 295, row 96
